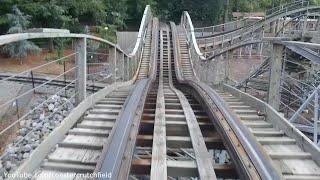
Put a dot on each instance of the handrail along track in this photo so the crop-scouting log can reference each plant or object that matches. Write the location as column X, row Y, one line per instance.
column 83, row 135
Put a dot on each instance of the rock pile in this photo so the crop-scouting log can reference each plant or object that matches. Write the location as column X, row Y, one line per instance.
column 33, row 130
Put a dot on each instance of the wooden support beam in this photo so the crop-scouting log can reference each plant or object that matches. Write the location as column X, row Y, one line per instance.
column 126, row 68
column 275, row 76
column 81, row 72
column 203, row 159
column 159, row 153
column 180, row 141
column 112, row 60
column 183, row 169
column 123, row 73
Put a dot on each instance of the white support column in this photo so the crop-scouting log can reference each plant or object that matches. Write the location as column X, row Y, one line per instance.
column 272, row 27
column 222, row 42
column 251, row 46
column 275, row 76
column 261, row 44
column 205, row 45
column 277, row 26
column 118, row 65
column 134, row 60
column 316, row 117
column 227, row 71
column 81, row 72
column 126, row 68
column 115, row 64
column 318, row 24
column 207, row 65
column 305, row 23
column 131, row 66
column 261, row 49
column 123, row 67
column 113, row 58
column 222, row 46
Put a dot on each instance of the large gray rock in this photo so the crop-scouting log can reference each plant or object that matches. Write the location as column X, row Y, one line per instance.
column 11, row 150
column 57, row 117
column 65, row 113
column 45, row 130
column 3, row 171
column 23, row 131
column 42, row 116
column 34, row 124
column 8, row 165
column 50, row 107
column 26, row 155
column 35, row 116
column 34, row 129
column 27, row 148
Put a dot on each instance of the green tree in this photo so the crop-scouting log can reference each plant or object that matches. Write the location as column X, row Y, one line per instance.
column 116, row 12
column 202, row 12
column 48, row 14
column 120, row 14
column 136, row 8
column 5, row 8
column 87, row 12
column 19, row 22
column 316, row 2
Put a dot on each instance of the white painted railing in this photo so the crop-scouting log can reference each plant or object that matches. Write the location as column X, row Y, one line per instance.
column 220, row 28
column 188, row 26
column 262, row 25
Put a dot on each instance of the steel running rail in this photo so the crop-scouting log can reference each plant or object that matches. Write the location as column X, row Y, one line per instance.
column 117, row 147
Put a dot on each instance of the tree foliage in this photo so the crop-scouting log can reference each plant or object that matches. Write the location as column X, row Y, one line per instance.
column 19, row 22
column 121, row 14
column 108, row 16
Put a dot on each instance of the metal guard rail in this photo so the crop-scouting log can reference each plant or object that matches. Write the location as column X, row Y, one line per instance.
column 238, row 24
column 219, row 29
column 188, row 26
column 200, row 29
column 254, row 26
column 195, row 52
column 281, row 7
column 146, row 18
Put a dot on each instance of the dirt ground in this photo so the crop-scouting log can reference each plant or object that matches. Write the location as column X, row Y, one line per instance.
column 14, row 65
column 10, row 134
column 241, row 67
